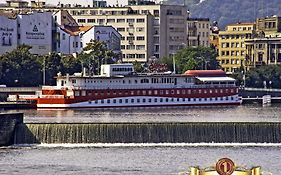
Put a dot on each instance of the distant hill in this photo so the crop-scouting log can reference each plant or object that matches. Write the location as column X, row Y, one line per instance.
column 231, row 11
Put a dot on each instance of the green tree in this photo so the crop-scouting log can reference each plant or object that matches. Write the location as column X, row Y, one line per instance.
column 20, row 68
column 95, row 54
column 192, row 58
column 268, row 73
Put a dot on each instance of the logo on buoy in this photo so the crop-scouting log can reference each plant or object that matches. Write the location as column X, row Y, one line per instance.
column 225, row 166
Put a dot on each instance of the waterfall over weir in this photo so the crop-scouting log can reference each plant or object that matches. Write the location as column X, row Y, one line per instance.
column 207, row 132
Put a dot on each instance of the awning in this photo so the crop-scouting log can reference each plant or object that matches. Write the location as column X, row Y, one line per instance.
column 216, row 79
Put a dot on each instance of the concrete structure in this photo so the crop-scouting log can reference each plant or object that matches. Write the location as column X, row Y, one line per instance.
column 8, row 32
column 8, row 124
column 232, row 50
column 198, row 32
column 263, row 51
column 35, row 29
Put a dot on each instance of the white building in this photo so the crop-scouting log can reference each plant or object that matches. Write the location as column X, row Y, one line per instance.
column 8, row 33
column 35, row 29
column 72, row 39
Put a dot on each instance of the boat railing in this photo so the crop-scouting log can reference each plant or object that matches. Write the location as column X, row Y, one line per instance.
column 51, row 96
column 156, row 86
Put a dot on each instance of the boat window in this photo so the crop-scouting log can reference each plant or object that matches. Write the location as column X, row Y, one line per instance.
column 136, row 81
column 183, row 99
column 167, row 91
column 120, row 100
column 96, row 101
column 77, row 93
column 143, row 92
column 132, row 92
column 167, row 99
column 199, row 91
column 83, row 93
column 155, row 92
column 126, row 100
column 155, row 100
column 178, row 91
column 108, row 101
column 138, row 100
column 172, row 99
column 178, row 99
column 102, row 101
column 172, row 91
column 74, row 81
column 132, row 100
column 149, row 100
column 205, row 91
column 114, row 100
column 149, row 92
column 143, row 100
column 231, row 90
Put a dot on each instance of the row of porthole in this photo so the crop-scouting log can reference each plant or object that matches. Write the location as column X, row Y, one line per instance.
column 155, row 100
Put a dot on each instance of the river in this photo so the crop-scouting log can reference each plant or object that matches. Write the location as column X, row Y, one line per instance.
column 131, row 159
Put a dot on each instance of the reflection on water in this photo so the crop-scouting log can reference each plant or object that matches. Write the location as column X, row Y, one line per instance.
column 245, row 113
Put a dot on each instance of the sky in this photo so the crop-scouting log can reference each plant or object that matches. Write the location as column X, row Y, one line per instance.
column 82, row 2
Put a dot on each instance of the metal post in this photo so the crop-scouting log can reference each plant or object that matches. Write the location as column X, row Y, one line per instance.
column 44, row 71
column 174, row 64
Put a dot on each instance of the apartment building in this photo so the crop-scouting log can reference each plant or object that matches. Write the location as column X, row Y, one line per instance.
column 263, row 51
column 198, row 32
column 147, row 30
column 232, row 49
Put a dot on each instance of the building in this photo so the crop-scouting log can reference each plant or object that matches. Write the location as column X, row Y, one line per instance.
column 198, row 32
column 148, row 31
column 72, row 39
column 232, row 49
column 269, row 25
column 35, row 29
column 263, row 51
column 8, row 32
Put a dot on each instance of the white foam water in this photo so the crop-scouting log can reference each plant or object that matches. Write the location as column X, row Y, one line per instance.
column 103, row 145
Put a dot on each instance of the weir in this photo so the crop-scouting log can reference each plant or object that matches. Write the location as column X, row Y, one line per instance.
column 172, row 132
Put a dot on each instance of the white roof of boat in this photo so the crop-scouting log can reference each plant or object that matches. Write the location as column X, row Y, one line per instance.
column 215, row 79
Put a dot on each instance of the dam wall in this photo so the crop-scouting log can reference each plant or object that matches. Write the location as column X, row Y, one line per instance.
column 206, row 132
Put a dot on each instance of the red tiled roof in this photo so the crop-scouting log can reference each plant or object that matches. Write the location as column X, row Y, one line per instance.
column 210, row 73
column 75, row 30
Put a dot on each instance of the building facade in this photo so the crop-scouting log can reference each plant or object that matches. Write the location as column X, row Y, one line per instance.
column 232, row 49
column 35, row 30
column 263, row 51
column 8, row 33
column 198, row 32
column 269, row 25
column 147, row 30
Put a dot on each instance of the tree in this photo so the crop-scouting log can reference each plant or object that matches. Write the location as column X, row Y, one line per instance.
column 268, row 73
column 191, row 58
column 95, row 54
column 20, row 68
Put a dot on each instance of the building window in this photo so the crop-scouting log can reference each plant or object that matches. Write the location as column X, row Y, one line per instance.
column 140, row 37
column 81, row 20
column 120, row 20
column 140, row 20
column 63, row 36
column 91, row 20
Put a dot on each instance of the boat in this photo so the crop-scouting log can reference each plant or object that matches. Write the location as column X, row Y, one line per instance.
column 118, row 85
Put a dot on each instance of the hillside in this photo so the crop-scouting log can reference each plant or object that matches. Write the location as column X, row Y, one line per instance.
column 231, row 11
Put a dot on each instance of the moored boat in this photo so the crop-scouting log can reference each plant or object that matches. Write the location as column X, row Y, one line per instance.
column 119, row 86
